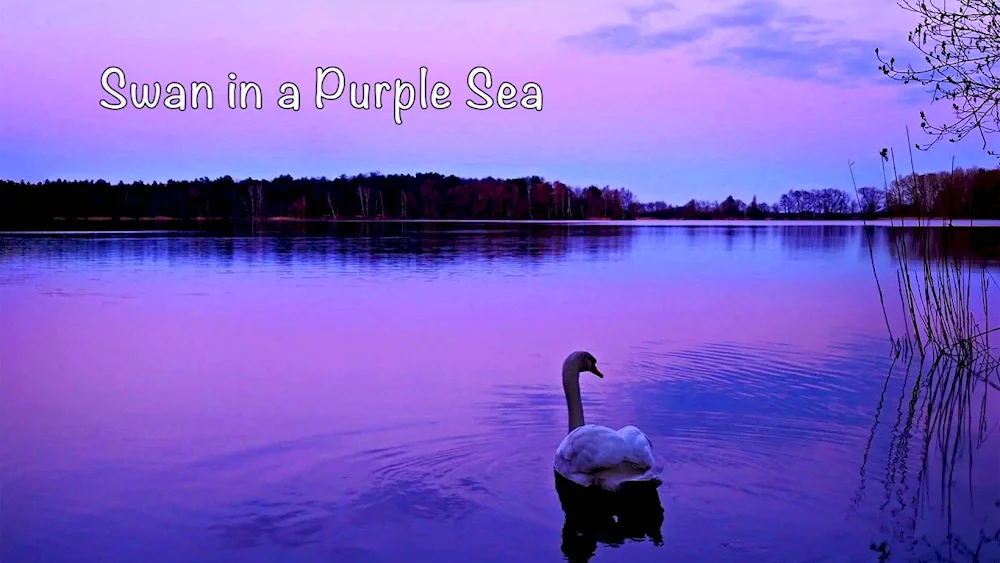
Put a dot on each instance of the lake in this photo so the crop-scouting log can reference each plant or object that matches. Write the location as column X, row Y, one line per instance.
column 391, row 392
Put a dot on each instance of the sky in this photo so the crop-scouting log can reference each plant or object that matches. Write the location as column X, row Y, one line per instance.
column 672, row 100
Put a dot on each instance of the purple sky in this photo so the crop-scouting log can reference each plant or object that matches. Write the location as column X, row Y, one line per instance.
column 672, row 100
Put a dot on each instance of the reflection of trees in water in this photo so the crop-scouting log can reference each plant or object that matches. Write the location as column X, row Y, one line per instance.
column 940, row 243
column 938, row 412
column 443, row 242
column 351, row 243
column 933, row 242
column 634, row 513
column 818, row 237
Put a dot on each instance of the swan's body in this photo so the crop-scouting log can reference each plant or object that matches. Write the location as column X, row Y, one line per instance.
column 594, row 455
column 597, row 455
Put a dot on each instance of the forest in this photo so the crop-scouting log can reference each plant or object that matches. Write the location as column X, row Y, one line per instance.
column 962, row 193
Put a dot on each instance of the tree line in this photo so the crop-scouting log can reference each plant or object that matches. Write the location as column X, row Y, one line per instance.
column 961, row 193
column 365, row 196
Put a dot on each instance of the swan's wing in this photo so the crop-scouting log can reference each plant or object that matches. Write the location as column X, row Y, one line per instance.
column 640, row 448
column 588, row 450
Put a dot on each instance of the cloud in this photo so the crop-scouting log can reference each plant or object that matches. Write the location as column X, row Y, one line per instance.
column 631, row 38
column 639, row 14
column 762, row 36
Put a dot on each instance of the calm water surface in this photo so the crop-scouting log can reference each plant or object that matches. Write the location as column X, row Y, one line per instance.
column 390, row 393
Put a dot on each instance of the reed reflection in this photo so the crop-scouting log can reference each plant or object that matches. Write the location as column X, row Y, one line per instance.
column 941, row 462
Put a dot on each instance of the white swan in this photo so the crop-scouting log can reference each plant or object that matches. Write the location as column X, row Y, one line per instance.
column 593, row 455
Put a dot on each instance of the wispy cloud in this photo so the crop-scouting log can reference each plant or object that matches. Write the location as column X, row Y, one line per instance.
column 639, row 14
column 763, row 36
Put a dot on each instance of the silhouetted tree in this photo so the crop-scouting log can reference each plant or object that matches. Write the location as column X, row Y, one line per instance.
column 731, row 208
column 871, row 200
column 755, row 211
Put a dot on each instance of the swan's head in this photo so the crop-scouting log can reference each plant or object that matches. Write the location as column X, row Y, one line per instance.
column 583, row 362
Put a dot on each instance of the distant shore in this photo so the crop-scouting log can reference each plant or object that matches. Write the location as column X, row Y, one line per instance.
column 228, row 204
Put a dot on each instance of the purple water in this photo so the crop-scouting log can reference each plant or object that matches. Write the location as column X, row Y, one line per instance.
column 392, row 393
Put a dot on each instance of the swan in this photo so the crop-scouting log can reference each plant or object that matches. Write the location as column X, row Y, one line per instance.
column 596, row 456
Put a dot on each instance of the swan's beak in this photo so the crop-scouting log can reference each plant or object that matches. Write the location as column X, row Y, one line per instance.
column 597, row 372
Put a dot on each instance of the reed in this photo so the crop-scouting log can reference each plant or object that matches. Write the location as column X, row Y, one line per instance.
column 944, row 295
column 952, row 367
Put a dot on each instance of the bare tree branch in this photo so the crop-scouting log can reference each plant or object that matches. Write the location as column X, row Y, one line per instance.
column 959, row 41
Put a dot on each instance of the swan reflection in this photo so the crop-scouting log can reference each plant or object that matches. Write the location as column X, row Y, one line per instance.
column 594, row 515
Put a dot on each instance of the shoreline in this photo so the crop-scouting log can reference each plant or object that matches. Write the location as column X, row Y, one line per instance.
column 102, row 224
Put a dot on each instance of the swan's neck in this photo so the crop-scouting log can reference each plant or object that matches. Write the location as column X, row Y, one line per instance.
column 571, row 385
